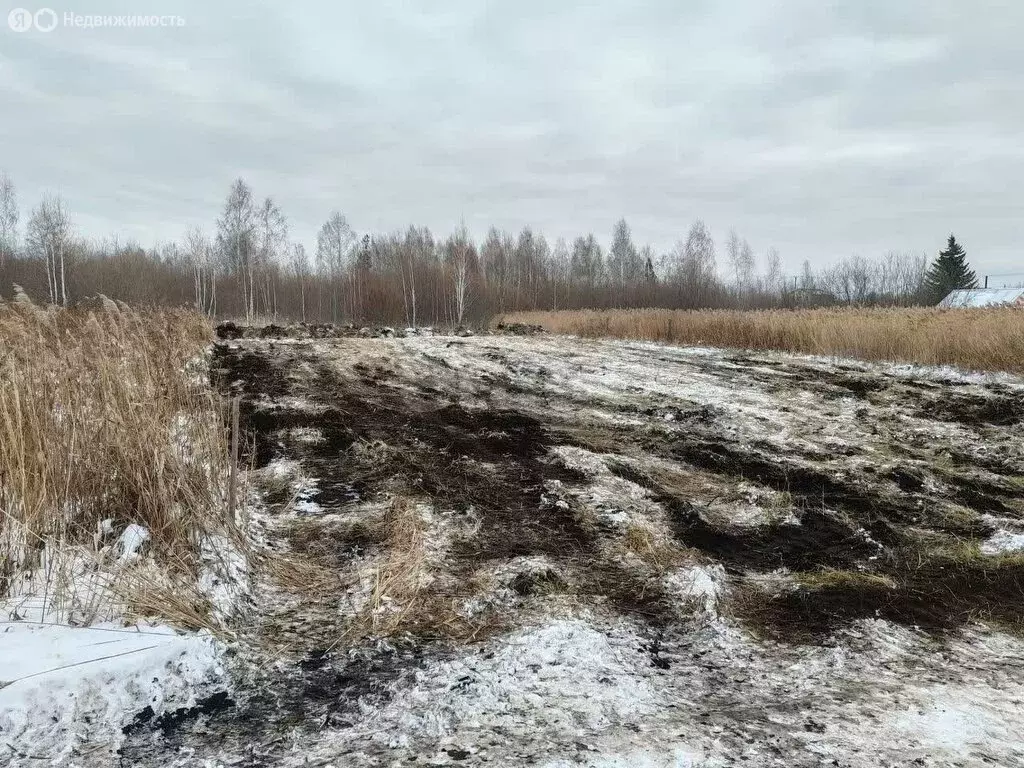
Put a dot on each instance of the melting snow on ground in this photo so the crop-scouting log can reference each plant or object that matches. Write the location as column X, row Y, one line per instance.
column 67, row 692
column 1003, row 541
column 72, row 677
column 561, row 683
column 567, row 683
column 131, row 541
column 701, row 584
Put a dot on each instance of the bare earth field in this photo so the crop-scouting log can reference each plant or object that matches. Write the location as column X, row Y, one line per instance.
column 561, row 552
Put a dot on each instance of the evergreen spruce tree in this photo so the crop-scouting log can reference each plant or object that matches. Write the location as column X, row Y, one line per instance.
column 949, row 272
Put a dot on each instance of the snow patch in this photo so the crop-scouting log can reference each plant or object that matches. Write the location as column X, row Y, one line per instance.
column 704, row 584
column 224, row 578
column 676, row 758
column 1003, row 541
column 616, row 501
column 550, row 682
column 283, row 469
column 961, row 720
column 131, row 541
column 307, row 507
column 580, row 459
column 67, row 690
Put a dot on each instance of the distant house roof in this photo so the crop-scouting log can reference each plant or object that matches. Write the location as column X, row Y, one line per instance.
column 984, row 297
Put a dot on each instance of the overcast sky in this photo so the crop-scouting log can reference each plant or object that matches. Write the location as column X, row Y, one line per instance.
column 822, row 128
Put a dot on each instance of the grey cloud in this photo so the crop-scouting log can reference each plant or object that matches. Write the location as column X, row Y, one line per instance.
column 823, row 129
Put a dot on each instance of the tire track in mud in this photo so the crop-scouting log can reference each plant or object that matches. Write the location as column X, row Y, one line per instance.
column 365, row 431
column 895, row 541
column 859, row 532
column 491, row 464
column 494, row 462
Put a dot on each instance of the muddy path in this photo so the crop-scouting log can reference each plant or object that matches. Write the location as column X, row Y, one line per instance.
column 452, row 517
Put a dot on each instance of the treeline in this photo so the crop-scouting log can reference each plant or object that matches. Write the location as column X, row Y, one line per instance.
column 248, row 266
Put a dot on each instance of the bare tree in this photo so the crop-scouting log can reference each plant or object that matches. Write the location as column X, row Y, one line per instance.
column 700, row 250
column 460, row 254
column 732, row 254
column 48, row 236
column 359, row 275
column 496, row 256
column 333, row 247
column 850, row 280
column 527, row 254
column 773, row 271
column 559, row 270
column 586, row 267
column 8, row 219
column 900, row 277
column 741, row 259
column 416, row 249
column 746, row 266
column 272, row 242
column 647, row 284
column 199, row 252
column 299, row 263
column 808, row 282
column 235, row 241
column 541, row 257
column 691, row 267
column 624, row 268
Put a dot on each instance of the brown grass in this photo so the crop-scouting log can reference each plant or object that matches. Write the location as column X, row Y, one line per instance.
column 399, row 580
column 976, row 339
column 655, row 550
column 107, row 415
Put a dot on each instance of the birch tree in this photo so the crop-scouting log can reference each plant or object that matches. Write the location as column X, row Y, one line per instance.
column 622, row 260
column 333, row 247
column 495, row 264
column 690, row 266
column 460, row 254
column 199, row 252
column 48, row 236
column 586, row 266
column 741, row 259
column 235, row 241
column 558, row 271
column 416, row 248
column 271, row 245
column 773, row 271
column 746, row 266
column 298, row 261
column 8, row 219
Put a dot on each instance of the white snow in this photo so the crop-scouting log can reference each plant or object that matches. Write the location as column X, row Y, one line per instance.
column 307, row 507
column 224, row 578
column 282, row 469
column 554, row 682
column 65, row 690
column 946, row 718
column 1003, row 541
column 703, row 584
column 131, row 541
column 70, row 585
column 614, row 500
column 673, row 758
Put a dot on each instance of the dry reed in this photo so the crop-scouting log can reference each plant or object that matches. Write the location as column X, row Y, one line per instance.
column 399, row 580
column 106, row 415
column 654, row 549
column 973, row 339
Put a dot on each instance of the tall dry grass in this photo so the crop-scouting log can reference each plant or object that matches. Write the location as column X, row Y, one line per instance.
column 974, row 339
column 106, row 420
